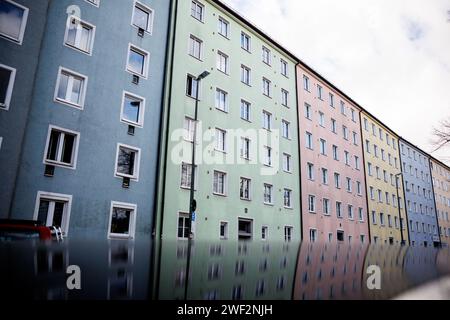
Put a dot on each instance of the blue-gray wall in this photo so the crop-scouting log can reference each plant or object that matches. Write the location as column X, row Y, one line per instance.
column 24, row 58
column 93, row 185
column 411, row 156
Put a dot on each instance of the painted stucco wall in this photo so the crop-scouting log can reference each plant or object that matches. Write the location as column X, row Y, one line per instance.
column 211, row 208
column 93, row 184
column 441, row 185
column 391, row 164
column 419, row 196
column 310, row 123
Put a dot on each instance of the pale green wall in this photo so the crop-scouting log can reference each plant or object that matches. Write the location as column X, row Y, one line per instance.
column 211, row 208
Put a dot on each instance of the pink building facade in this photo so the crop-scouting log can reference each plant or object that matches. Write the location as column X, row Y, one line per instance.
column 334, row 206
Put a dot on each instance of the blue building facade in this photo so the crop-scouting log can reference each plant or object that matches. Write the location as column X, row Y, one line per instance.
column 88, row 160
column 419, row 196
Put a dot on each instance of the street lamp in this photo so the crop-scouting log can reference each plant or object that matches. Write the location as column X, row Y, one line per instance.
column 192, row 202
column 399, row 210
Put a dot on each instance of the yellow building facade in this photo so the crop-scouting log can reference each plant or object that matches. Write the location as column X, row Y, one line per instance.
column 382, row 167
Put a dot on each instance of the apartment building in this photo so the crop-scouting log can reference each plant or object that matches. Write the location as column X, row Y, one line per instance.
column 419, row 196
column 247, row 181
column 384, row 182
column 333, row 197
column 440, row 174
column 89, row 115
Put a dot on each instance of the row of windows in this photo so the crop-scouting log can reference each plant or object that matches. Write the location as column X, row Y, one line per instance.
column 424, row 228
column 444, row 232
column 416, row 189
column 383, row 136
column 442, row 171
column 413, row 207
column 310, row 171
column 340, row 236
column 326, row 208
column 53, row 209
column 415, row 172
column 443, row 200
column 220, row 186
column 384, row 197
column 413, row 155
column 377, row 152
column 440, row 184
column 391, row 222
column 224, row 29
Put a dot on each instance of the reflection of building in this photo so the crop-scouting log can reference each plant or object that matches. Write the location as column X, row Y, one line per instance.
column 79, row 134
column 382, row 168
column 228, row 270
column 247, row 178
column 419, row 196
column 333, row 190
column 420, row 265
column 329, row 271
column 441, row 186
column 390, row 260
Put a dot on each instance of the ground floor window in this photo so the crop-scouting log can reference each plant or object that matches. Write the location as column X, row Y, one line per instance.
column 122, row 220
column 183, row 225
column 53, row 210
column 245, row 229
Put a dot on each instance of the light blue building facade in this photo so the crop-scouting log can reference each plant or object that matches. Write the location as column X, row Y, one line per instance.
column 419, row 196
column 91, row 131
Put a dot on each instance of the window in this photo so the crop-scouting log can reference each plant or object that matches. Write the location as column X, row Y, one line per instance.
column 245, row 110
column 245, row 42
column 224, row 27
column 138, row 61
column 286, row 129
column 338, row 209
column 311, row 203
column 186, row 174
column 323, row 147
column 372, row 194
column 358, row 188
column 122, row 221
column 245, row 188
column 127, row 162
column 345, row 132
column 389, row 221
column 324, row 176
column 307, row 111
column 313, row 235
column 284, row 98
column 326, row 206
column 335, row 153
column 340, row 235
column 305, row 83
column 264, row 232
column 142, row 17
column 221, row 100
column 195, row 47
column 347, row 158
column 343, row 109
column 245, row 148
column 61, row 147
column 357, row 165
column 348, row 184
column 53, row 209
column 221, row 139
column 79, row 35
column 287, row 198
column 374, row 217
column 321, row 119
column 309, row 140
column 337, row 180
column 287, row 166
column 353, row 115
column 183, row 225
column 223, row 230
column 333, row 126
column 189, row 127
column 197, row 10
column 287, row 236
column 381, row 218
column 133, row 109
column 191, row 86
column 319, row 92
column 284, row 67
column 360, row 214
column 14, row 20
column 350, row 212
column 222, row 62
column 219, row 183
column 267, row 87
column 267, row 156
column 268, row 190
column 7, row 79
column 267, row 120
column 367, row 146
column 266, row 56
column 310, row 171
column 355, row 138
column 331, row 96
column 245, row 75
column 70, row 88
column 369, row 169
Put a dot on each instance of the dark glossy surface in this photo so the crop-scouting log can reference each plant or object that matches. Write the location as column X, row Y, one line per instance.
column 225, row 270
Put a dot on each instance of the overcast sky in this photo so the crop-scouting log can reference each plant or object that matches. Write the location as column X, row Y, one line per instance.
column 390, row 56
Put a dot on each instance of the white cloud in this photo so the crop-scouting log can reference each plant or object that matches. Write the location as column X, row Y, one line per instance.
column 391, row 56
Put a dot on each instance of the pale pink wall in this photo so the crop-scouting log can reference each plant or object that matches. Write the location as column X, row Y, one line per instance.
column 325, row 224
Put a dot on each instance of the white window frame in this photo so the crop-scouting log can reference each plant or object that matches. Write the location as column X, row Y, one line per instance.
column 286, row 129
column 198, row 40
column 151, row 14
column 225, row 183
column 220, row 55
column 225, row 22
column 71, row 73
column 132, row 227
column 249, row 188
column 249, row 49
column 227, row 224
column 91, row 40
column 190, row 170
column 9, row 90
column 220, row 148
column 284, row 63
column 290, row 192
column 137, row 162
column 217, row 106
column 271, row 188
column 23, row 25
column 244, row 71
column 146, row 60
column 140, row 123
column 268, row 51
column 287, row 160
column 74, row 151
column 186, row 216
column 203, row 10
column 55, row 197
